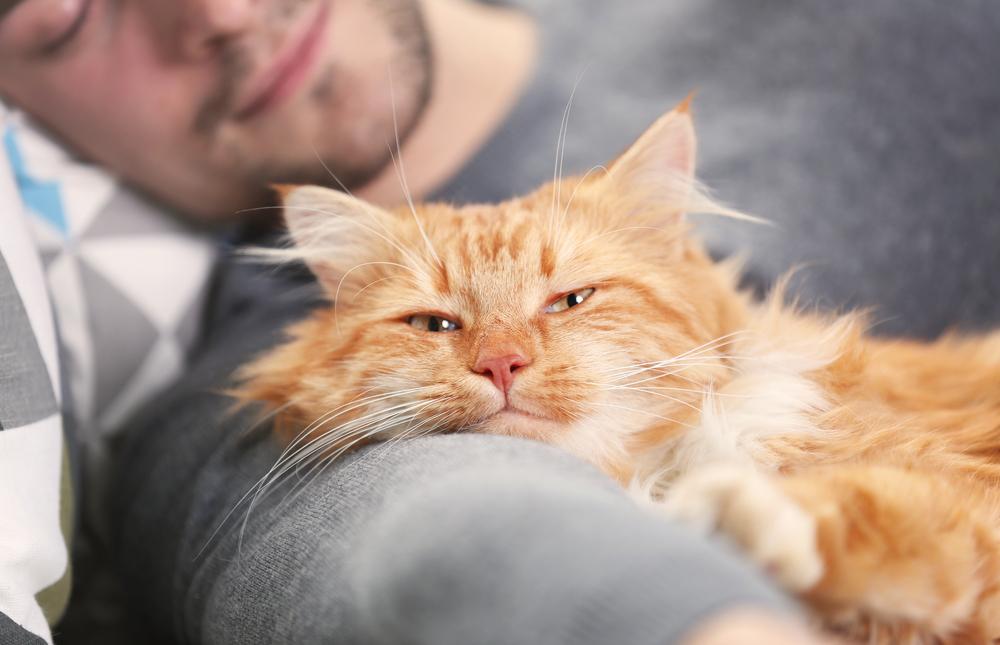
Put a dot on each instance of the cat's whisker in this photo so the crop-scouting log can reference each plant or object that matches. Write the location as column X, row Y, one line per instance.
column 323, row 460
column 677, row 372
column 285, row 253
column 714, row 343
column 657, row 375
column 357, row 293
column 590, row 239
column 298, row 254
column 340, row 284
column 319, row 457
column 700, row 392
column 246, row 431
column 302, row 434
column 279, row 468
column 668, row 397
column 375, row 417
column 397, row 161
column 352, row 428
column 360, row 401
column 689, row 358
column 562, row 152
column 330, row 172
column 572, row 195
column 694, row 351
column 685, row 363
column 663, row 369
column 269, row 415
column 319, row 252
column 638, row 411
column 397, row 164
column 631, row 387
column 557, row 169
column 329, row 436
column 425, row 427
column 316, row 450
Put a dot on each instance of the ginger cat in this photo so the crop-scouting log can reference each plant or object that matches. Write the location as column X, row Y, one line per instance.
column 862, row 473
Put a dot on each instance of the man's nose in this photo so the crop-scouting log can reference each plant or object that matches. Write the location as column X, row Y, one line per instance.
column 500, row 368
column 205, row 26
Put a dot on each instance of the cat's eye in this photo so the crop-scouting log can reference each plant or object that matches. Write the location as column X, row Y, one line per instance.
column 568, row 300
column 428, row 322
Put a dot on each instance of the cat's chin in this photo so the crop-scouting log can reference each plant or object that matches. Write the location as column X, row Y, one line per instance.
column 517, row 423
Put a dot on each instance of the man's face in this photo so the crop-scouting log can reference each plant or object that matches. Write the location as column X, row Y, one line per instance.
column 203, row 102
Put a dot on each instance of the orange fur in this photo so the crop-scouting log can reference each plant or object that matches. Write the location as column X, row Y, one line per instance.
column 890, row 449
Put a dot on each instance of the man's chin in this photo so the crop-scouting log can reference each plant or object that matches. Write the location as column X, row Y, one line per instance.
column 298, row 149
column 322, row 172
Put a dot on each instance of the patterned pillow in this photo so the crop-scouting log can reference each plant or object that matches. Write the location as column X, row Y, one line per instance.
column 127, row 280
column 35, row 500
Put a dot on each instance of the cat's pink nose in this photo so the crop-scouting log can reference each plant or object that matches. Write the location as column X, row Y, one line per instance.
column 500, row 368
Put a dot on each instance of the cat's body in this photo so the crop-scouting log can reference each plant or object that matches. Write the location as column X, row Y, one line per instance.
column 864, row 474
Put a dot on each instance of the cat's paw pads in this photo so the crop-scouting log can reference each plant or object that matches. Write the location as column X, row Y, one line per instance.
column 756, row 514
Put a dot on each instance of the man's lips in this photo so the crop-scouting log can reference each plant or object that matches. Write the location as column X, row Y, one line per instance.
column 290, row 68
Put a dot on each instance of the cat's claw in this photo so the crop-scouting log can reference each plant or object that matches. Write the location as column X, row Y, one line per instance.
column 754, row 512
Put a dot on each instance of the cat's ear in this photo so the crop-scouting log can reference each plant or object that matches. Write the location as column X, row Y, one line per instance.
column 332, row 231
column 659, row 167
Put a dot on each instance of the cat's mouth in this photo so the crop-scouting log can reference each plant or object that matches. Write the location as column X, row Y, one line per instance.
column 518, row 422
column 515, row 411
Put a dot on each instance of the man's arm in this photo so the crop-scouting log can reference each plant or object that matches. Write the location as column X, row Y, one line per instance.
column 445, row 540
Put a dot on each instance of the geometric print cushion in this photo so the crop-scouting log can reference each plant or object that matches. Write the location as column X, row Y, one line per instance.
column 35, row 497
column 127, row 282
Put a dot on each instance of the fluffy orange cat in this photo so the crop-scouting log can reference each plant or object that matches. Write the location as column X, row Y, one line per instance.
column 862, row 473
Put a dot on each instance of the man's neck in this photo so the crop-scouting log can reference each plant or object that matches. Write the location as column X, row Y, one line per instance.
column 483, row 57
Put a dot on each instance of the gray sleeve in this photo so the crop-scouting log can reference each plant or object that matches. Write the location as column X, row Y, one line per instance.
column 454, row 540
column 521, row 545
column 460, row 539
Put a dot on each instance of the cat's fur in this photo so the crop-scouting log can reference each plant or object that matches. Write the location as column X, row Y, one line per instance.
column 862, row 473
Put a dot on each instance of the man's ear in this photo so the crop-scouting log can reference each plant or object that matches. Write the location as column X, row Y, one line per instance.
column 333, row 232
column 658, row 168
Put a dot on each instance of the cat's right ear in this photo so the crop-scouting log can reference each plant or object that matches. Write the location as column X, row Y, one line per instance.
column 659, row 167
column 332, row 231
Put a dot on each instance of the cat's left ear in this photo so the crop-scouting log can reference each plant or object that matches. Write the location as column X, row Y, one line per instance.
column 333, row 232
column 659, row 167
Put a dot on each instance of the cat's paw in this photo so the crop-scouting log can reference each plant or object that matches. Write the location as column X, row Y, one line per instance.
column 755, row 513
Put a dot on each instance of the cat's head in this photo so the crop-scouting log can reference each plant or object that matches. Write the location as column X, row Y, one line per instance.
column 581, row 314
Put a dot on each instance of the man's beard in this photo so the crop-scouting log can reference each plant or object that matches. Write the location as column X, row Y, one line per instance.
column 410, row 75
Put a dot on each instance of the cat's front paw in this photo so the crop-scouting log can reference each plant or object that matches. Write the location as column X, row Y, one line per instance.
column 755, row 513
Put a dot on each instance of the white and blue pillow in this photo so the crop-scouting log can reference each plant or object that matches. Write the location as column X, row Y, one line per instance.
column 127, row 280
column 101, row 295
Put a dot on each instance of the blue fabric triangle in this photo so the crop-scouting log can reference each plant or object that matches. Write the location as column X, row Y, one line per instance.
column 40, row 197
